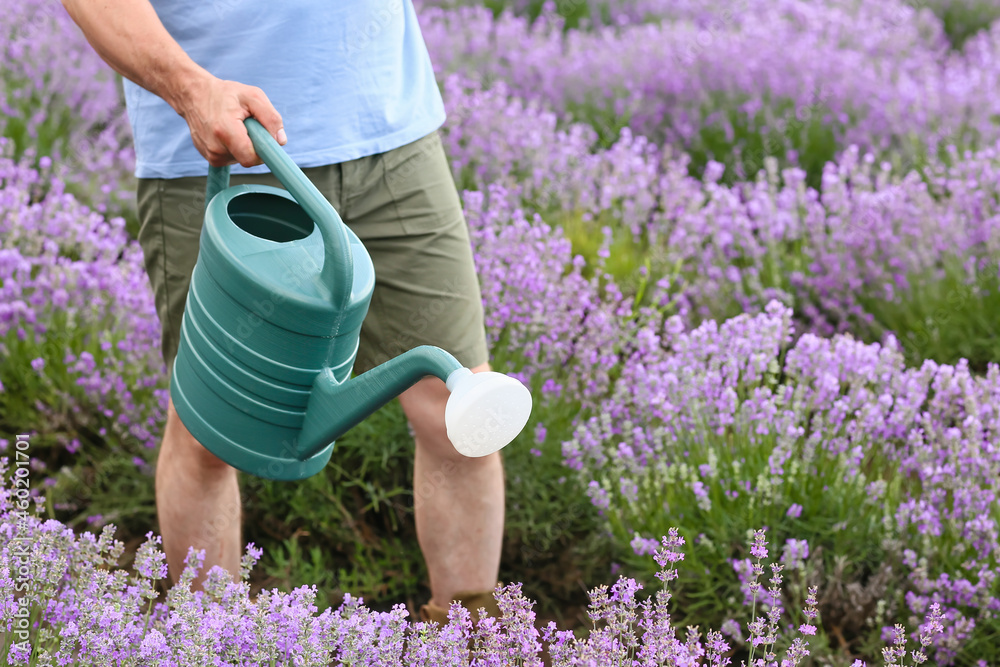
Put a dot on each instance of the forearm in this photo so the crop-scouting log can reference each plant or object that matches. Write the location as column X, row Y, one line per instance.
column 129, row 36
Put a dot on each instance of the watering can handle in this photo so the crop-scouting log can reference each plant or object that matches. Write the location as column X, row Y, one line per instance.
column 338, row 262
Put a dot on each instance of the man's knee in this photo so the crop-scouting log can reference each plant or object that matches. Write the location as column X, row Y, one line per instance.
column 180, row 444
column 449, row 472
column 424, row 404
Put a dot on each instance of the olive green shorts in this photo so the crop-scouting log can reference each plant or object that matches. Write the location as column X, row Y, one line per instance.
column 404, row 207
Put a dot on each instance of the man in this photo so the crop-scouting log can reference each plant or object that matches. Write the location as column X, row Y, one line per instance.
column 350, row 89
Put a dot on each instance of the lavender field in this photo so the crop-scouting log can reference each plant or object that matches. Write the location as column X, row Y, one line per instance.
column 746, row 254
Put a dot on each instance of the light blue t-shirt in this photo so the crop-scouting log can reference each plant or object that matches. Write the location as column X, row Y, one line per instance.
column 350, row 78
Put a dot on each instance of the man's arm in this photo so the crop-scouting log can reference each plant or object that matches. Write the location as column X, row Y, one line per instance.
column 129, row 36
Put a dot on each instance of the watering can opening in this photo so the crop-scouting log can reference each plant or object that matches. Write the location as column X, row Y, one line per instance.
column 270, row 217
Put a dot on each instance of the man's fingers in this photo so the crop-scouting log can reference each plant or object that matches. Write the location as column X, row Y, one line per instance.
column 260, row 107
column 217, row 128
column 217, row 160
column 234, row 138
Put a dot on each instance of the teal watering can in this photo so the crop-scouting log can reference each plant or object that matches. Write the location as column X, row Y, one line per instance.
column 270, row 331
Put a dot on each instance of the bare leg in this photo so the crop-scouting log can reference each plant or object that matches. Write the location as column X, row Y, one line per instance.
column 459, row 501
column 197, row 502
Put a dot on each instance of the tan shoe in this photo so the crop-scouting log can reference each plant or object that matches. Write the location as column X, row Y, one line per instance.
column 472, row 601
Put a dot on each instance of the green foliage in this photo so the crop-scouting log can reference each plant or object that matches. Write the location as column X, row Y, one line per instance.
column 801, row 136
column 574, row 12
column 345, row 529
column 50, row 136
column 102, row 478
column 808, row 137
column 804, row 137
column 600, row 115
column 964, row 18
column 848, row 527
column 553, row 539
column 44, row 125
column 945, row 316
column 625, row 254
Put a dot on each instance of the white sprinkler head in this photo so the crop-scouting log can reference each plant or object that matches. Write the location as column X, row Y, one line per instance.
column 485, row 411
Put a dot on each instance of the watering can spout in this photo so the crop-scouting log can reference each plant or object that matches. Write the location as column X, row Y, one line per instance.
column 484, row 412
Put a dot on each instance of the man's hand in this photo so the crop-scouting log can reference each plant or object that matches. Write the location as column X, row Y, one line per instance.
column 215, row 110
column 130, row 37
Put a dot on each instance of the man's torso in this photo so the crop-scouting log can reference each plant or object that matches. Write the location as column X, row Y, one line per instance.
column 350, row 78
